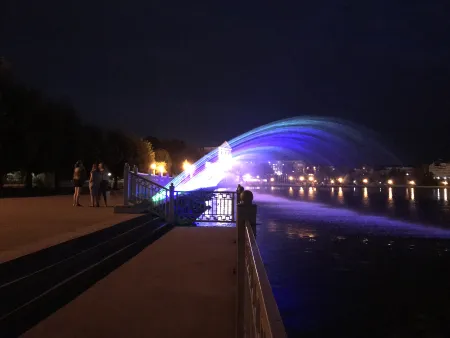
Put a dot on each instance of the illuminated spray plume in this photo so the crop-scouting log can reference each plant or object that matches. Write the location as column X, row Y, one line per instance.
column 313, row 139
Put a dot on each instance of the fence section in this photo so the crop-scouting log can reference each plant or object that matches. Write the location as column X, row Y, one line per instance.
column 179, row 206
column 143, row 191
column 205, row 206
column 261, row 315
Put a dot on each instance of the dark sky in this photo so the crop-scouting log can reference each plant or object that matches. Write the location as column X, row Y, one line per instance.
column 207, row 71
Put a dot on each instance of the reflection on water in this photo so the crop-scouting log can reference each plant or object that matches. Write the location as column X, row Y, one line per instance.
column 369, row 269
column 340, row 196
column 427, row 205
column 365, row 196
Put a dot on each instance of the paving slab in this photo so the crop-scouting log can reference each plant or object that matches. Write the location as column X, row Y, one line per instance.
column 33, row 223
column 180, row 286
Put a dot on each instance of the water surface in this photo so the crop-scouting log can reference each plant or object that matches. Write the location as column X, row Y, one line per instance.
column 358, row 263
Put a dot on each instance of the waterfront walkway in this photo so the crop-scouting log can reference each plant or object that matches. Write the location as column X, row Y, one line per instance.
column 34, row 223
column 182, row 285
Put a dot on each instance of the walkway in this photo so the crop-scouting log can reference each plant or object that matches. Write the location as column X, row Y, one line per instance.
column 180, row 286
column 30, row 224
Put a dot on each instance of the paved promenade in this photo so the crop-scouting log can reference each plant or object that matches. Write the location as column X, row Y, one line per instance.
column 30, row 224
column 180, row 286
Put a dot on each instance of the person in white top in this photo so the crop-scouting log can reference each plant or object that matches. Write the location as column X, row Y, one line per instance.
column 104, row 184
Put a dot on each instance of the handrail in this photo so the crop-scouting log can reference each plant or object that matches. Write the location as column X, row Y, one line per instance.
column 146, row 179
column 262, row 317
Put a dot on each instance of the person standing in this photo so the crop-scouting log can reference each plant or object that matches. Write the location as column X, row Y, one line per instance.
column 104, row 184
column 78, row 181
column 94, row 185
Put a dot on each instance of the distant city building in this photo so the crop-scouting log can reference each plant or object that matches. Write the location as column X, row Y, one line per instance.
column 408, row 170
column 287, row 167
column 440, row 169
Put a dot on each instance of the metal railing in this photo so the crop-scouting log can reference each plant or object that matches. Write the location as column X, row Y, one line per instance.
column 139, row 190
column 178, row 206
column 205, row 206
column 257, row 311
column 261, row 315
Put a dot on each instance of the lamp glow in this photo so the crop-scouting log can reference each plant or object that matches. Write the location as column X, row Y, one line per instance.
column 340, row 180
column 390, row 182
column 153, row 167
column 412, row 182
column 365, row 181
column 302, row 178
column 311, row 178
column 332, row 181
column 272, row 179
column 161, row 169
column 290, row 178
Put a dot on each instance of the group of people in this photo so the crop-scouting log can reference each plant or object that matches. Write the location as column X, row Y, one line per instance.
column 98, row 183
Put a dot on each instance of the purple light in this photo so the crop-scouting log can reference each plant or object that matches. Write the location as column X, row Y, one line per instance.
column 328, row 141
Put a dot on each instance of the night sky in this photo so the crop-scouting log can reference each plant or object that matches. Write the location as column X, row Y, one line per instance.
column 208, row 71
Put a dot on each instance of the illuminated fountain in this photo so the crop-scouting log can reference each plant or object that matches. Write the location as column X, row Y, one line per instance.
column 320, row 140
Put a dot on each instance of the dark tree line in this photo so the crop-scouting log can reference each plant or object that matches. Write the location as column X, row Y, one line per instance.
column 38, row 134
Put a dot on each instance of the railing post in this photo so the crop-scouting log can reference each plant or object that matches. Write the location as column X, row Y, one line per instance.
column 246, row 211
column 171, row 218
column 133, row 186
column 126, row 187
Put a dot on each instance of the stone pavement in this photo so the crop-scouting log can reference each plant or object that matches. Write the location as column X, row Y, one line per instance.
column 33, row 223
column 180, row 286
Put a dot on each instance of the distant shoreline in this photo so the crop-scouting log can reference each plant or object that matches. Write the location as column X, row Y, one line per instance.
column 344, row 186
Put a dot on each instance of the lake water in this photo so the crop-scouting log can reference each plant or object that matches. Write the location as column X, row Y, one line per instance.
column 358, row 262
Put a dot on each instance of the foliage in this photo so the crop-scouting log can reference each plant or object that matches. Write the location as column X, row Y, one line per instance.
column 42, row 135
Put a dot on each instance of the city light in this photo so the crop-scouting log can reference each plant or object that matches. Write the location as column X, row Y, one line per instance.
column 365, row 181
column 161, row 169
column 153, row 167
column 340, row 180
column 444, row 182
column 311, row 178
column 188, row 167
column 272, row 179
column 412, row 182
column 302, row 178
column 109, row 174
column 390, row 182
column 290, row 178
column 332, row 181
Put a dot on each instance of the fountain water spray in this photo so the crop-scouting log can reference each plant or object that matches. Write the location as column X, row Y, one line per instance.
column 315, row 139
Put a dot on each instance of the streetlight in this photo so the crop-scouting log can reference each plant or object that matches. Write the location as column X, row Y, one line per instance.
column 153, row 167
column 161, row 169
column 340, row 180
column 302, row 178
column 390, row 182
column 412, row 182
column 365, row 181
column 188, row 167
column 311, row 178
column 290, row 178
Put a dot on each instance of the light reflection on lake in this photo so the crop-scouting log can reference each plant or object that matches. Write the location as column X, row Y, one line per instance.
column 358, row 262
column 423, row 205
